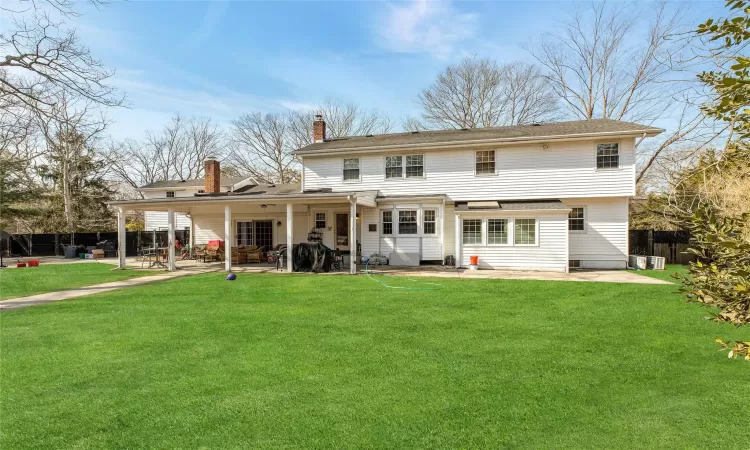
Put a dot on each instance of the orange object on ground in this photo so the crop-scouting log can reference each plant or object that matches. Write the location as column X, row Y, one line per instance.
column 473, row 260
column 21, row 264
column 33, row 263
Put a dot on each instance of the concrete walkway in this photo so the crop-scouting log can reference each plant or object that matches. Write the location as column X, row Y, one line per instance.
column 48, row 297
column 606, row 276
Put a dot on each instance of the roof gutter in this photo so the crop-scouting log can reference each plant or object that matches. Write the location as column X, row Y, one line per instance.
column 234, row 198
column 479, row 142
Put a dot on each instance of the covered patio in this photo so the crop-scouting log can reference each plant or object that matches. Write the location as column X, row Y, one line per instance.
column 273, row 219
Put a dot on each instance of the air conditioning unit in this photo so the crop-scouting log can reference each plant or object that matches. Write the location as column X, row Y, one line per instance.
column 638, row 262
column 656, row 262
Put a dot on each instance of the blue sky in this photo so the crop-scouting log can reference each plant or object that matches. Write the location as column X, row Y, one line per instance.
column 222, row 59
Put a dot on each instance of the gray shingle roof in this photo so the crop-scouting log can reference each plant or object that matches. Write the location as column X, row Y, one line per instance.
column 512, row 205
column 511, row 133
column 196, row 182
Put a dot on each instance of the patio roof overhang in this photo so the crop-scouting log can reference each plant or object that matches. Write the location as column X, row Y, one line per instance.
column 362, row 198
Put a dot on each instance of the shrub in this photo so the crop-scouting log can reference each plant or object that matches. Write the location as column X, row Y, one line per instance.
column 720, row 277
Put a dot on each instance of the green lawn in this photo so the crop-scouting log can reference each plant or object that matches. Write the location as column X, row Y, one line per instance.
column 665, row 274
column 306, row 361
column 55, row 277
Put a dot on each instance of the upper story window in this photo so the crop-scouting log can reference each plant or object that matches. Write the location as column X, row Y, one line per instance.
column 394, row 166
column 407, row 222
column 414, row 165
column 387, row 222
column 351, row 169
column 485, row 162
column 428, row 221
column 607, row 156
column 576, row 221
column 170, row 194
column 320, row 220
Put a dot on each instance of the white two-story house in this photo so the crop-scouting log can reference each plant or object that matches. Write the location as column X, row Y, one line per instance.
column 532, row 197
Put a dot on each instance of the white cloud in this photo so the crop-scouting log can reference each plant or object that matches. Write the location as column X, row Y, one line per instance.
column 425, row 26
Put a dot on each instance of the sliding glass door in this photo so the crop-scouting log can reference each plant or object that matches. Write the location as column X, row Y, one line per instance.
column 259, row 232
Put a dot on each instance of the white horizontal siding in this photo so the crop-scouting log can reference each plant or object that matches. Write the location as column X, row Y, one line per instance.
column 564, row 169
column 604, row 243
column 549, row 255
column 157, row 220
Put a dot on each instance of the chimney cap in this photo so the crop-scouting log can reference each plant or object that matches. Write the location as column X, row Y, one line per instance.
column 318, row 117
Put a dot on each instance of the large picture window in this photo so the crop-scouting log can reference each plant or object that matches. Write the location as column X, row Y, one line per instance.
column 576, row 220
column 607, row 156
column 393, row 166
column 387, row 222
column 414, row 166
column 525, row 232
column 428, row 221
column 407, row 222
column 472, row 231
column 485, row 162
column 497, row 231
column 351, row 169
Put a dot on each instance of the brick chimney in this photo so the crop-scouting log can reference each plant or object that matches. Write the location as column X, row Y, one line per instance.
column 212, row 176
column 319, row 128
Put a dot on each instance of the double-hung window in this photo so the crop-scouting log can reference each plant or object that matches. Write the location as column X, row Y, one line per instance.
column 525, row 232
column 394, row 166
column 576, row 220
column 497, row 231
column 472, row 231
column 351, row 169
column 428, row 221
column 170, row 194
column 607, row 156
column 485, row 162
column 407, row 222
column 414, row 166
column 388, row 222
column 320, row 220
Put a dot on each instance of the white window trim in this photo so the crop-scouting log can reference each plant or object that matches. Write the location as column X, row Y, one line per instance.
column 403, row 167
column 537, row 238
column 358, row 180
column 315, row 219
column 619, row 157
column 380, row 222
column 585, row 220
column 474, row 163
column 422, row 221
column 508, row 228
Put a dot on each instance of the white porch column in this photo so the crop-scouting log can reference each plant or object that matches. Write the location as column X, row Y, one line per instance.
column 227, row 238
column 442, row 231
column 458, row 241
column 289, row 237
column 171, row 266
column 121, row 235
column 353, row 237
column 192, row 233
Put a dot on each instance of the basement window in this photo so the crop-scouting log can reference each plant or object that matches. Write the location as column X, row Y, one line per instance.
column 170, row 194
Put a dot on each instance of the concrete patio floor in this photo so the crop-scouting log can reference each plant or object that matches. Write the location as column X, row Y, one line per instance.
column 606, row 276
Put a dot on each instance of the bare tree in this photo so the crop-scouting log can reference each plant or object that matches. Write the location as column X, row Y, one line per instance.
column 177, row 152
column 71, row 133
column 480, row 93
column 262, row 146
column 44, row 60
column 342, row 119
column 601, row 67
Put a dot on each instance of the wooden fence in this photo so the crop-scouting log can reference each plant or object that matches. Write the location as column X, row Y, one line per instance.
column 675, row 253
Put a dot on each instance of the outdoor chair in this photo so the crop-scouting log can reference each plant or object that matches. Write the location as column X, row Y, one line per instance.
column 254, row 254
column 214, row 251
column 239, row 255
column 200, row 252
